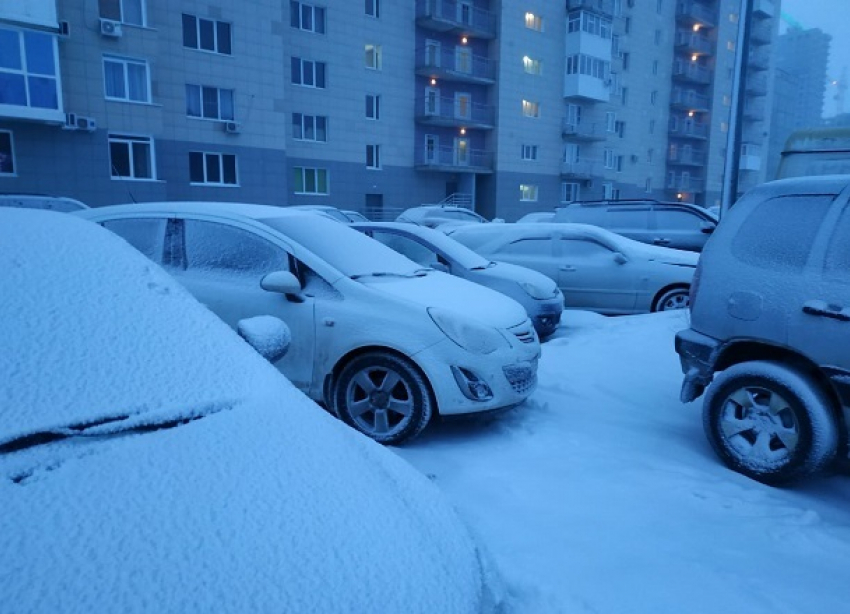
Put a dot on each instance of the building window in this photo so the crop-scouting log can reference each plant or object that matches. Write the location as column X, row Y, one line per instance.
column 591, row 23
column 570, row 192
column 308, row 73
column 212, row 168
column 582, row 64
column 724, row 127
column 28, row 70
column 530, row 109
column 373, row 8
column 463, row 60
column 126, row 79
column 527, row 192
column 620, row 129
column 648, row 185
column 373, row 106
column 7, row 154
column 659, row 6
column 531, row 66
column 373, row 157
column 609, row 158
column 463, row 105
column 652, row 126
column 619, row 164
column 207, row 35
column 307, row 17
column 627, row 25
column 126, row 11
column 624, row 95
column 658, row 37
column 533, row 22
column 730, row 45
column 626, row 57
column 653, row 97
column 654, row 67
column 726, row 100
column 608, row 191
column 373, row 57
column 309, row 127
column 310, row 180
column 529, row 152
column 131, row 157
column 610, row 121
column 209, row 102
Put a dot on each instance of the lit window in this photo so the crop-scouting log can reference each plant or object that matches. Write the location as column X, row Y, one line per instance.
column 730, row 45
column 131, row 157
column 212, row 168
column 531, row 66
column 527, row 192
column 373, row 157
column 209, row 102
column 309, row 127
column 534, row 22
column 7, row 154
column 207, row 35
column 373, row 57
column 126, row 79
column 310, row 180
column 307, row 17
column 530, row 109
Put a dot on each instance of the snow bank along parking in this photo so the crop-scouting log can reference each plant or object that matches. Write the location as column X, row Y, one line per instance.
column 151, row 461
column 380, row 340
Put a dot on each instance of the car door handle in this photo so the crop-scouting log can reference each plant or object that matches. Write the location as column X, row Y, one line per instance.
column 660, row 241
column 827, row 310
column 568, row 268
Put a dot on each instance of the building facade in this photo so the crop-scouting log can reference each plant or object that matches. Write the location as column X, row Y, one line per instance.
column 507, row 106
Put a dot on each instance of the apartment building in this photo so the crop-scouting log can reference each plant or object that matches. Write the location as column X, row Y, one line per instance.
column 508, row 106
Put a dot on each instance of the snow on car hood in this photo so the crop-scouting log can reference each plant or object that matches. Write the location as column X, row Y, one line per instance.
column 436, row 289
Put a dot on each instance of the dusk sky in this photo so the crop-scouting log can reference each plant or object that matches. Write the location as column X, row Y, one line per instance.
column 833, row 17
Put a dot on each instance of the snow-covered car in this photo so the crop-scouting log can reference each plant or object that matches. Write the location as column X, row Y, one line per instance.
column 355, row 216
column 151, row 461
column 538, row 294
column 770, row 315
column 383, row 342
column 41, row 201
column 537, row 216
column 328, row 210
column 594, row 268
column 436, row 215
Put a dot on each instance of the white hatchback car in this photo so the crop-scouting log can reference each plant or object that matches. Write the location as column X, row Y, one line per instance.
column 594, row 268
column 378, row 339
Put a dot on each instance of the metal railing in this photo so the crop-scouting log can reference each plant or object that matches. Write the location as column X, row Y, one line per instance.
column 456, row 15
column 447, row 63
column 443, row 110
column 592, row 130
column 579, row 168
column 455, row 158
column 694, row 42
column 692, row 72
column 689, row 98
column 695, row 11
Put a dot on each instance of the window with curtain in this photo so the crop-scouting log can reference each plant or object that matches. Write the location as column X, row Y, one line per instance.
column 126, row 79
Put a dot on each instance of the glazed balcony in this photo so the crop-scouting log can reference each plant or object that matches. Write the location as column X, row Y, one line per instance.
column 449, row 65
column 450, row 16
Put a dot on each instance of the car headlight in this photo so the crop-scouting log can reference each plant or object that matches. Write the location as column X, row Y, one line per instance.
column 536, row 292
column 468, row 334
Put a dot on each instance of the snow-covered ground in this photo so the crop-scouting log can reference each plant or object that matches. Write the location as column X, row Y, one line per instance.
column 601, row 494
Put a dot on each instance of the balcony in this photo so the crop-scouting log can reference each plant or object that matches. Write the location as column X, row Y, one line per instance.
column 689, row 100
column 754, row 110
column 686, row 157
column 454, row 160
column 764, row 8
column 761, row 33
column 757, row 85
column 455, row 17
column 585, row 87
column 572, row 131
column 758, row 60
column 690, row 13
column 448, row 65
column 684, row 182
column 579, row 169
column 603, row 7
column 688, row 130
column 454, row 112
column 691, row 72
column 691, row 42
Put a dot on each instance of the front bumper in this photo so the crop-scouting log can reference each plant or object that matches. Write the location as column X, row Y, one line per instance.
column 546, row 315
column 697, row 355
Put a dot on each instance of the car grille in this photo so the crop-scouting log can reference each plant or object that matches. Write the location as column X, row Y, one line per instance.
column 522, row 377
column 525, row 332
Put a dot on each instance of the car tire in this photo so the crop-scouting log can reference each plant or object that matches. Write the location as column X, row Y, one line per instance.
column 770, row 422
column 672, row 298
column 384, row 396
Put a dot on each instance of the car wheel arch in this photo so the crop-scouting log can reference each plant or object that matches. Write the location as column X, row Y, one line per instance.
column 668, row 288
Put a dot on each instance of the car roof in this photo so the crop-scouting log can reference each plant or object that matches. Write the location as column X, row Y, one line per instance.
column 821, row 184
column 244, row 210
column 514, row 231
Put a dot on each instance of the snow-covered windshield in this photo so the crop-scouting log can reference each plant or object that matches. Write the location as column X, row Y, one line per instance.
column 349, row 251
column 464, row 256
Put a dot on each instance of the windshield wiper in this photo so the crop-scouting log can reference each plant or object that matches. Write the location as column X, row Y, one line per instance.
column 416, row 273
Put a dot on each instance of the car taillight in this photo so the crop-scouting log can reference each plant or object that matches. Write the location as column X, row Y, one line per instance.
column 692, row 294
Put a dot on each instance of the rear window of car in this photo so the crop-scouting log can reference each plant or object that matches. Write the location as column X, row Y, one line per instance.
column 779, row 232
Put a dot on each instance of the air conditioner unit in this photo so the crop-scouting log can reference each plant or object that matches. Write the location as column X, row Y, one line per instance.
column 110, row 27
column 86, row 123
column 232, row 127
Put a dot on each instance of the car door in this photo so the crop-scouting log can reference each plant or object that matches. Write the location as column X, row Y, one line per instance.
column 632, row 221
column 594, row 276
column 222, row 264
column 820, row 325
column 681, row 228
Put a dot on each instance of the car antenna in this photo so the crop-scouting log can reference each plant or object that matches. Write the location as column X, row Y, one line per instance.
column 115, row 173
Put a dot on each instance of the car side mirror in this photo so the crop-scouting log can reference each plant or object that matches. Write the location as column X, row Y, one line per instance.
column 619, row 258
column 268, row 335
column 707, row 227
column 283, row 282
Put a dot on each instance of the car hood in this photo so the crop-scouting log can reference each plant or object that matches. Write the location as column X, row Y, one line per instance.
column 505, row 271
column 436, row 289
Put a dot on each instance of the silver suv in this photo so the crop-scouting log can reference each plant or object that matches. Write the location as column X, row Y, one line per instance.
column 770, row 315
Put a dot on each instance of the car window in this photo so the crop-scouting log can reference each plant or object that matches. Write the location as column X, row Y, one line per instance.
column 837, row 263
column 145, row 234
column 627, row 218
column 468, row 216
column 581, row 215
column 231, row 252
column 406, row 247
column 677, row 219
column 778, row 233
column 529, row 247
column 582, row 248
